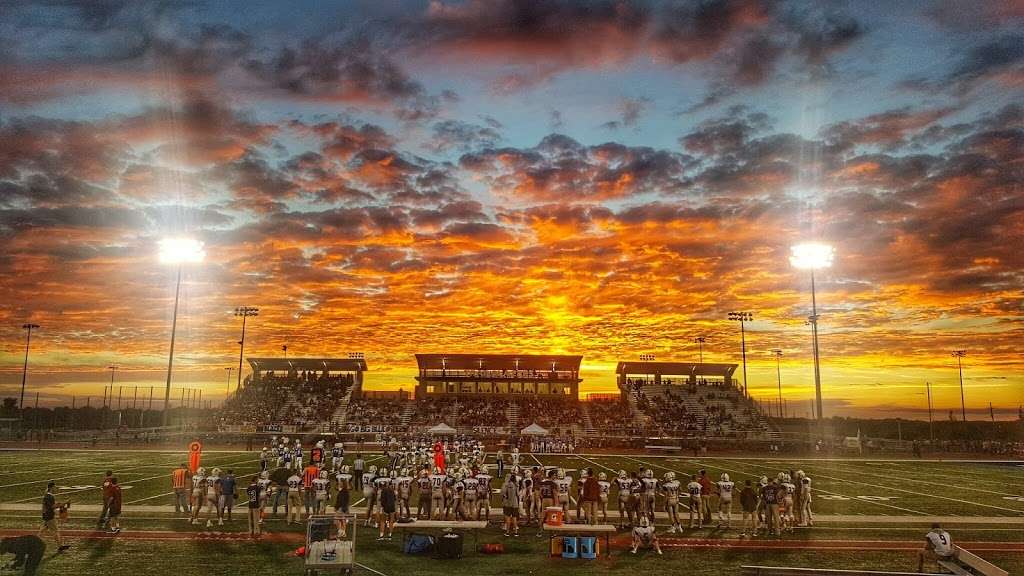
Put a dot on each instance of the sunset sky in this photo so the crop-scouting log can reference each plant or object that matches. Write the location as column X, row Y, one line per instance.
column 602, row 178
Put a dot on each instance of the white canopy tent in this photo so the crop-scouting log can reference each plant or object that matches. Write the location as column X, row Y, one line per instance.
column 534, row 430
column 442, row 428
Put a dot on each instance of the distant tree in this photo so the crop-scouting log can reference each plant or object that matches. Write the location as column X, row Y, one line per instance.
column 9, row 406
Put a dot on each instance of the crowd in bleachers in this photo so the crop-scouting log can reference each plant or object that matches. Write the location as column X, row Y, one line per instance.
column 685, row 409
column 555, row 413
column 374, row 414
column 465, row 412
column 301, row 399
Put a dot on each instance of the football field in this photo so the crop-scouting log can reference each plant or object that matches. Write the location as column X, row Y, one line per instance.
column 869, row 514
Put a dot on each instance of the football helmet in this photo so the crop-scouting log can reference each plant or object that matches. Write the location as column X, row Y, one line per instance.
column 323, row 474
column 383, row 472
column 622, row 474
column 781, row 476
column 216, row 472
column 201, row 471
column 437, row 471
column 373, row 469
column 345, row 469
column 602, row 476
column 339, row 444
column 644, row 521
column 764, row 481
column 561, row 473
column 725, row 476
column 264, row 475
column 649, row 473
column 670, row 476
column 320, row 444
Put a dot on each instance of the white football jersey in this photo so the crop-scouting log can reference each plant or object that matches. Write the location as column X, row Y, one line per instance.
column 563, row 485
column 321, row 486
column 484, row 484
column 623, row 485
column 693, row 488
column 671, row 488
column 437, row 482
column 605, row 487
column 725, row 490
column 942, row 543
column 472, row 486
column 294, row 483
column 650, row 486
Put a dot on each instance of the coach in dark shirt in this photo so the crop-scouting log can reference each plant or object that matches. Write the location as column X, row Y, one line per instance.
column 252, row 492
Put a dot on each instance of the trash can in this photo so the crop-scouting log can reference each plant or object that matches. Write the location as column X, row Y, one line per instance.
column 569, row 544
column 588, row 547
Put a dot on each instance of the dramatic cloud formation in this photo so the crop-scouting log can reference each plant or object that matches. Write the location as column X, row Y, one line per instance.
column 608, row 178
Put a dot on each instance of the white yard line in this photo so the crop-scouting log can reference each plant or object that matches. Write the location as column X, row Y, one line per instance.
column 960, row 486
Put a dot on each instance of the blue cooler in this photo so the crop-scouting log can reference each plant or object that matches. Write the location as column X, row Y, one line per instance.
column 588, row 547
column 569, row 544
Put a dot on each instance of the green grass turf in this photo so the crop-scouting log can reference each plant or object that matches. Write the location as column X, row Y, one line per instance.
column 840, row 487
column 934, row 488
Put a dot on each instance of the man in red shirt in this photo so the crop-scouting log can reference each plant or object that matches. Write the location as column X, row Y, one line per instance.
column 309, row 474
column 591, row 493
column 107, row 493
column 707, row 489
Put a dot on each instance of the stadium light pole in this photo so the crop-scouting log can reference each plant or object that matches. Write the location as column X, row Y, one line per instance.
column 229, row 369
column 177, row 252
column 813, row 256
column 28, row 328
column 244, row 312
column 743, row 318
column 959, row 355
column 699, row 341
column 931, row 430
column 777, row 352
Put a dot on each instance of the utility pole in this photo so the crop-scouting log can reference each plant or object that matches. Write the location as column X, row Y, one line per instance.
column 743, row 318
column 777, row 352
column 959, row 355
column 28, row 328
column 244, row 312
column 931, row 431
column 700, row 340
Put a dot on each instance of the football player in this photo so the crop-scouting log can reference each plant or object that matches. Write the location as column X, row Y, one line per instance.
column 472, row 487
column 198, row 493
column 650, row 484
column 337, row 456
column 622, row 484
column 213, row 497
column 606, row 488
column 483, row 495
column 670, row 490
column 806, row 501
column 438, row 481
column 403, row 485
column 527, row 497
column 636, row 493
column 297, row 454
column 578, row 491
column 643, row 535
column 264, row 459
column 694, row 489
column 787, row 514
column 266, row 486
column 369, row 493
column 725, row 490
column 563, row 484
column 423, row 494
column 383, row 479
column 515, row 456
column 293, row 515
column 458, row 492
column 321, row 492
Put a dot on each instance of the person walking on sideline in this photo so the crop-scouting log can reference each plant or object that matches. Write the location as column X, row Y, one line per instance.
column 101, row 522
column 179, row 483
column 253, row 493
column 114, row 508
column 50, row 518
column 510, row 505
column 591, row 494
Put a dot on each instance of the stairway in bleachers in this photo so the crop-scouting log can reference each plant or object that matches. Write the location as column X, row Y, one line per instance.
column 588, row 424
column 408, row 411
column 340, row 416
column 512, row 414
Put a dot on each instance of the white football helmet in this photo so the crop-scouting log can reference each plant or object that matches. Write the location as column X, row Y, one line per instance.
column 800, row 474
column 781, row 476
column 264, row 475
column 670, row 476
column 298, row 442
column 373, row 469
column 764, row 481
column 561, row 473
column 201, row 471
column 216, row 472
column 622, row 474
column 339, row 445
column 648, row 473
column 382, row 472
column 323, row 474
column 345, row 469
column 394, row 473
column 725, row 476
column 644, row 521
column 602, row 476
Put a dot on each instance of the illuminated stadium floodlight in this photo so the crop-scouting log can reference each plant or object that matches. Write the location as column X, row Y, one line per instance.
column 777, row 352
column 959, row 355
column 28, row 328
column 743, row 318
column 813, row 256
column 700, row 341
column 244, row 312
column 177, row 252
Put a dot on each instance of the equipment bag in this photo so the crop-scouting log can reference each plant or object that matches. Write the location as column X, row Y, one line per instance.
column 418, row 544
column 449, row 546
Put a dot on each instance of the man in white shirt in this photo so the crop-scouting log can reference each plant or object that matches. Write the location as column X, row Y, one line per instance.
column 938, row 545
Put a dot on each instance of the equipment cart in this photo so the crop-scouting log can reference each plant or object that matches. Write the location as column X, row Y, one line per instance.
column 330, row 544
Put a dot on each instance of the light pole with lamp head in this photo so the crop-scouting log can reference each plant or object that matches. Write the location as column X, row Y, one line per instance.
column 244, row 312
column 813, row 256
column 227, row 394
column 777, row 352
column 28, row 328
column 743, row 318
column 177, row 252
column 959, row 355
column 699, row 341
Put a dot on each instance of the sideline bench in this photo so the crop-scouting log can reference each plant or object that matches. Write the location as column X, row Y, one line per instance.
column 788, row 571
column 472, row 526
column 976, row 563
column 597, row 530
